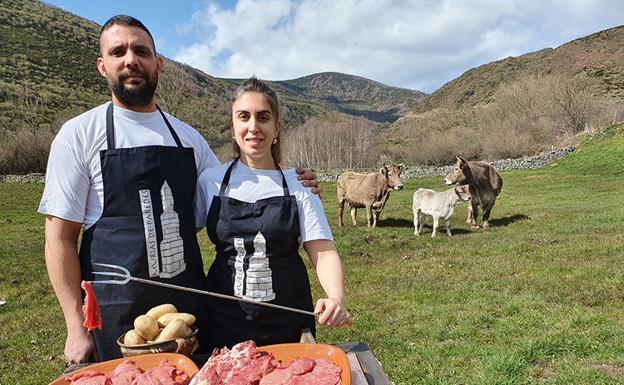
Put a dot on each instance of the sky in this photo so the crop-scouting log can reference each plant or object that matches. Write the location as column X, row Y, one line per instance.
column 415, row 44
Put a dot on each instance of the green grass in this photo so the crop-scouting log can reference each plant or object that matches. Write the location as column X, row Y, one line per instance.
column 536, row 299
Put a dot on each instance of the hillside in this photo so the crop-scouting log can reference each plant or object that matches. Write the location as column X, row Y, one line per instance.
column 356, row 95
column 597, row 59
column 597, row 154
column 510, row 108
column 50, row 54
column 518, row 106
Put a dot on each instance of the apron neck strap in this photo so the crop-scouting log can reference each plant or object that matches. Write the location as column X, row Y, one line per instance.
column 110, row 128
column 226, row 179
column 173, row 133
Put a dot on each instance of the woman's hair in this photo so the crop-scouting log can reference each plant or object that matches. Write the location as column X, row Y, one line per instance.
column 253, row 84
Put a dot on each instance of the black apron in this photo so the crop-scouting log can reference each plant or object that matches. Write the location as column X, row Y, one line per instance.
column 148, row 227
column 257, row 248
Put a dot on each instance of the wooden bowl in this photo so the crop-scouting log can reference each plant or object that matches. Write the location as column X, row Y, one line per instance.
column 288, row 352
column 184, row 346
column 144, row 362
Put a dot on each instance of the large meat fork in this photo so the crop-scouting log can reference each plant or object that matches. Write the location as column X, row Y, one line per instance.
column 126, row 277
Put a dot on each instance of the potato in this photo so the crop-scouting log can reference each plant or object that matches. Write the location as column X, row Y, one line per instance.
column 146, row 326
column 174, row 329
column 132, row 337
column 188, row 319
column 157, row 311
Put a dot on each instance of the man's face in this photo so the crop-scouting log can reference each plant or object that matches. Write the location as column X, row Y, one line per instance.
column 130, row 65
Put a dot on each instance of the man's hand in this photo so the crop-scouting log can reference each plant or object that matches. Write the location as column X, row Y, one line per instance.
column 308, row 179
column 79, row 347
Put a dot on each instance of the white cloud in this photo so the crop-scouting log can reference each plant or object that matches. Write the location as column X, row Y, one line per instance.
column 419, row 44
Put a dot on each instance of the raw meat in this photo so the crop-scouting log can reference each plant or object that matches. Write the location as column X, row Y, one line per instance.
column 243, row 365
column 325, row 372
column 302, row 365
column 305, row 371
column 246, row 365
column 89, row 377
column 164, row 374
column 91, row 308
column 127, row 373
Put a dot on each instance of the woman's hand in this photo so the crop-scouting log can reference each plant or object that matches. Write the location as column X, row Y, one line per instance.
column 332, row 312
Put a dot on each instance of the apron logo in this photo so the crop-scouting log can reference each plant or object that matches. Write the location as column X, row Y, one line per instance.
column 151, row 242
column 239, row 275
column 258, row 278
column 171, row 247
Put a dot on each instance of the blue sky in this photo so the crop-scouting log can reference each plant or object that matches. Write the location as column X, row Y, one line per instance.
column 162, row 18
column 417, row 44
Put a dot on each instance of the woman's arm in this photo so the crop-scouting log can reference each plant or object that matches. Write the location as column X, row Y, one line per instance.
column 325, row 259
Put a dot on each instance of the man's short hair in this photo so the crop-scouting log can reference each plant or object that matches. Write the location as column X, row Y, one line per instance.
column 127, row 21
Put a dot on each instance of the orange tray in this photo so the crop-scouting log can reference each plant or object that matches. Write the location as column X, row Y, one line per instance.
column 288, row 352
column 144, row 361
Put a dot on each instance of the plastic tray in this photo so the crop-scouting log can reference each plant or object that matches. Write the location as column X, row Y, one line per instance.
column 144, row 361
column 288, row 352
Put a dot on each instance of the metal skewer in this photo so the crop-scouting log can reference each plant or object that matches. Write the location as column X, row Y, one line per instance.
column 127, row 277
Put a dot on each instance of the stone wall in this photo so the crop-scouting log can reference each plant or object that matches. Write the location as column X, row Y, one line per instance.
column 527, row 162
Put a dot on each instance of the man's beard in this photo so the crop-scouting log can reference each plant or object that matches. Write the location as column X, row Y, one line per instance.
column 138, row 95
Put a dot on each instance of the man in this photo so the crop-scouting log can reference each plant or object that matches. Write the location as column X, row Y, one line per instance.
column 126, row 173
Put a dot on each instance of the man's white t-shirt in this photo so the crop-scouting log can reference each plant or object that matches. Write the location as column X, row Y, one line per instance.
column 250, row 185
column 73, row 187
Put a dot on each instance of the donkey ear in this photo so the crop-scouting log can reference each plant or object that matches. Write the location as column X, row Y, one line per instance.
column 383, row 170
column 461, row 161
column 400, row 165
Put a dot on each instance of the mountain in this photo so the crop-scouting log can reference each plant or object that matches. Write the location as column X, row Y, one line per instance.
column 597, row 59
column 517, row 106
column 49, row 54
column 356, row 95
column 508, row 108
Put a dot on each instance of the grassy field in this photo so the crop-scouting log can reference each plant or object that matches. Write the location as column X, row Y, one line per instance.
column 537, row 299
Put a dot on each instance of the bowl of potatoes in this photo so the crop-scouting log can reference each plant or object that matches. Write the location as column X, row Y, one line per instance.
column 161, row 330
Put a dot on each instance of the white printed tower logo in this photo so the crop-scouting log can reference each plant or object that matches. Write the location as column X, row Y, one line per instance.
column 171, row 246
column 258, row 277
column 239, row 276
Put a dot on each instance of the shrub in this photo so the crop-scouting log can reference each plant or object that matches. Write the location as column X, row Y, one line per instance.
column 25, row 151
column 336, row 142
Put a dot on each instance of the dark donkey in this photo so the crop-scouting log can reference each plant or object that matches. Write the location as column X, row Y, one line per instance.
column 484, row 183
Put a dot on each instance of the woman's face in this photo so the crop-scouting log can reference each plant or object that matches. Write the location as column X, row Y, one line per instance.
column 254, row 127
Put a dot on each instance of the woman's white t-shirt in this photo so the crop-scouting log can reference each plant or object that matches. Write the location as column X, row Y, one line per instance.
column 250, row 185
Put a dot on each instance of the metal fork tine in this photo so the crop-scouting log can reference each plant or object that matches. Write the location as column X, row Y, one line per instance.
column 125, row 274
column 114, row 267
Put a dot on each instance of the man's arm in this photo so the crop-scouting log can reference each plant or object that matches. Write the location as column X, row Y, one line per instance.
column 61, row 255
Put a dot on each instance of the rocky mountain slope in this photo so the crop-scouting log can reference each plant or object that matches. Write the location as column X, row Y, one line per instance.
column 597, row 59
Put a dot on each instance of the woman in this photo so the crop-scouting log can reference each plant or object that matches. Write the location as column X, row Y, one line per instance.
column 257, row 215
